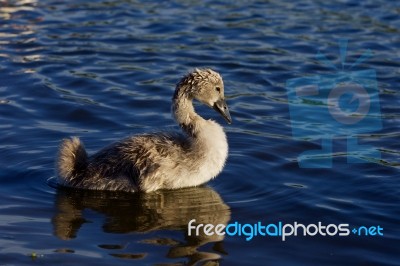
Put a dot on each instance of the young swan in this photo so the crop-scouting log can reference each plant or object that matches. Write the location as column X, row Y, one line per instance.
column 149, row 162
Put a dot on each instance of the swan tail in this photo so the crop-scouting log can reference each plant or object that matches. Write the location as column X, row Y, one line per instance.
column 72, row 160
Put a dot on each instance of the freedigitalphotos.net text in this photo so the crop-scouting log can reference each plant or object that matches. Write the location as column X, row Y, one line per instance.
column 280, row 229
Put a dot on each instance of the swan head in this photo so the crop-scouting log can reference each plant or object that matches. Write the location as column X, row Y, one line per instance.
column 206, row 86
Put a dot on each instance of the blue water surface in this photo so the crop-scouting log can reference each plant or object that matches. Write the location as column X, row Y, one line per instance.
column 102, row 70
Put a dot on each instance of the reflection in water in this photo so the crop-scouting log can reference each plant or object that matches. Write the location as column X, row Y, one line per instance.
column 7, row 9
column 139, row 212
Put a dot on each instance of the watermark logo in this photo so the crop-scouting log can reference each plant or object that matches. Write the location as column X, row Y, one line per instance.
column 344, row 102
column 281, row 230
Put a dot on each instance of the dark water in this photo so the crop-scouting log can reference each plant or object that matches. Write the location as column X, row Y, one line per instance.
column 102, row 70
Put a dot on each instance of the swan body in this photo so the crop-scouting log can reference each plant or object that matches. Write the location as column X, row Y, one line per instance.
column 149, row 162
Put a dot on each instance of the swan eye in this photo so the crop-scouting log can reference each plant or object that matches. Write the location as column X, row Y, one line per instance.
column 218, row 89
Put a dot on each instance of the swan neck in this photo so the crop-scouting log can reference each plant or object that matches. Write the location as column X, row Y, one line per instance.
column 183, row 110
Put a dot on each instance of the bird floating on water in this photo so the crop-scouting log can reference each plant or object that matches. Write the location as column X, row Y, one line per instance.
column 163, row 160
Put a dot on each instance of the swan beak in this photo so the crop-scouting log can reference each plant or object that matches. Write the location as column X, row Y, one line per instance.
column 222, row 108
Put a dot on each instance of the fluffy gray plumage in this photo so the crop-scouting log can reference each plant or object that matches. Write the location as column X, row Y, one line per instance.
column 150, row 162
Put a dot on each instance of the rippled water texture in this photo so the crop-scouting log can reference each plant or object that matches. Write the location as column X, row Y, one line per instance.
column 102, row 70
